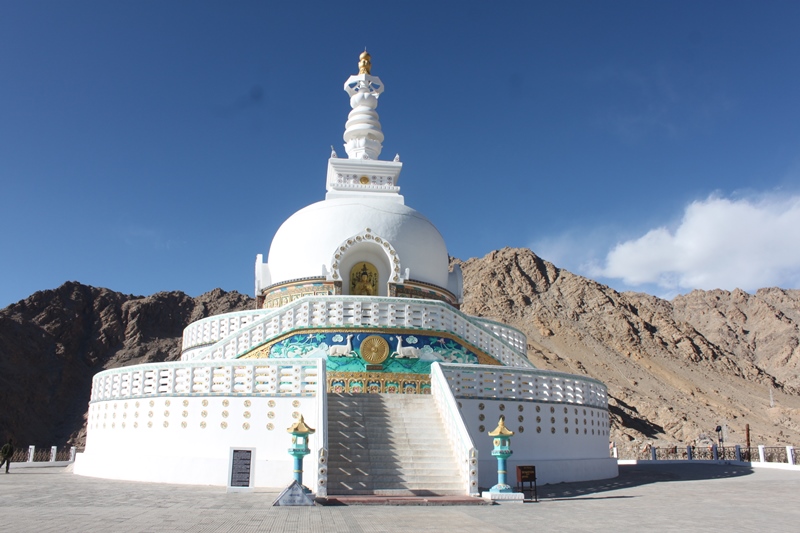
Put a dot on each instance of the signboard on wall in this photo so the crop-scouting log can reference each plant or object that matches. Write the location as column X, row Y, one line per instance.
column 241, row 469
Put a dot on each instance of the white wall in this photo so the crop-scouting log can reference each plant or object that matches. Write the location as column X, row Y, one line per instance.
column 161, row 439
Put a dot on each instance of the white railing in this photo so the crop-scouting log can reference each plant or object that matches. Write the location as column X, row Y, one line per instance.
column 491, row 382
column 457, row 434
column 386, row 313
column 210, row 330
column 258, row 377
column 512, row 336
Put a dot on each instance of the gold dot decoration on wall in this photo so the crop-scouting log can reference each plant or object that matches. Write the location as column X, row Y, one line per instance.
column 247, row 403
column 271, row 414
column 136, row 425
column 113, row 424
column 137, row 405
column 481, row 417
column 204, row 413
column 566, row 420
column 152, row 403
column 521, row 418
column 203, row 424
column 538, row 429
column 296, row 403
column 552, row 409
column 114, row 415
column 502, row 407
column 566, row 410
column 552, row 420
column 150, row 414
column 124, row 415
column 271, row 403
column 481, row 406
column 566, row 430
column 363, row 180
column 223, row 425
column 205, row 403
column 166, row 424
column 521, row 429
column 520, row 408
column 224, row 414
column 123, row 425
column 167, row 403
column 166, row 414
column 184, row 424
column 246, row 414
column 225, row 403
column 246, row 425
column 481, row 428
column 150, row 424
column 295, row 415
column 270, row 426
column 538, row 419
column 186, row 403
column 538, row 408
column 125, row 405
column 185, row 414
column 115, row 405
column 577, row 431
column 136, row 414
column 552, row 430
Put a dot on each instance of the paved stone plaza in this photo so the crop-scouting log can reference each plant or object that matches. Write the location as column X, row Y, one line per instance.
column 655, row 498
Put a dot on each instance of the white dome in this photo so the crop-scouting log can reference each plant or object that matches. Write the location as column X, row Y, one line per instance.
column 310, row 238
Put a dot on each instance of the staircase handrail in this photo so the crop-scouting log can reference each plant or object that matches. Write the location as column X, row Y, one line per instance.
column 461, row 443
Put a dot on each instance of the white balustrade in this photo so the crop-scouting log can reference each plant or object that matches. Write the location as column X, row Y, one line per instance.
column 457, row 434
column 523, row 384
column 262, row 377
column 258, row 327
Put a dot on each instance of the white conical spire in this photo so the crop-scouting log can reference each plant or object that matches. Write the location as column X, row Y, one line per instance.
column 362, row 134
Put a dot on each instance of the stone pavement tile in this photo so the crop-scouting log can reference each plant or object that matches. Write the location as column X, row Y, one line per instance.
column 659, row 497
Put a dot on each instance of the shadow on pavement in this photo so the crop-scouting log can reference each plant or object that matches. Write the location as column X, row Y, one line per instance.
column 641, row 474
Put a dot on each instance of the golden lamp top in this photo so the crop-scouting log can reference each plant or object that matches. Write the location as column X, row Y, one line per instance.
column 300, row 427
column 501, row 430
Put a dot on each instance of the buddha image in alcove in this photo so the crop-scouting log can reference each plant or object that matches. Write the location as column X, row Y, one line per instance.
column 364, row 279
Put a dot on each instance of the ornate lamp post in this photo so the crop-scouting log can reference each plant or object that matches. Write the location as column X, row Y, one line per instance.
column 502, row 450
column 300, row 432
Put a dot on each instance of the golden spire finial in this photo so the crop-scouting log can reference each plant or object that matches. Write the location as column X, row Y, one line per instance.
column 501, row 430
column 364, row 64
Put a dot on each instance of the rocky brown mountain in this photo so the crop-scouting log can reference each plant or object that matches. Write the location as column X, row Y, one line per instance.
column 53, row 342
column 675, row 370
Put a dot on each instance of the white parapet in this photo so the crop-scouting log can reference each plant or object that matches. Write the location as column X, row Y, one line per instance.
column 230, row 335
column 176, row 422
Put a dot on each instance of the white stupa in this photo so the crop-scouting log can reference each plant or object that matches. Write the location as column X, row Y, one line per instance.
column 357, row 330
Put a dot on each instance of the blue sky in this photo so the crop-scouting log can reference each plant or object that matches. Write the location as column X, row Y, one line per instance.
column 148, row 146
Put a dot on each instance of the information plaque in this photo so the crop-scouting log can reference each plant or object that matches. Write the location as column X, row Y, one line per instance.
column 240, row 469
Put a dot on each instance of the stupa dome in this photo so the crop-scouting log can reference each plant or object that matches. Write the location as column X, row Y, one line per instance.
column 306, row 244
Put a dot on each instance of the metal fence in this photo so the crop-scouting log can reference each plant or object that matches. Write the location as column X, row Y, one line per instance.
column 43, row 454
column 754, row 454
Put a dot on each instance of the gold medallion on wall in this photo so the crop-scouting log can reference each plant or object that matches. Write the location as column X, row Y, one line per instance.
column 374, row 349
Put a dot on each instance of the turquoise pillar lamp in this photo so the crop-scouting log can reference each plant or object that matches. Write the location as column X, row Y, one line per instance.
column 300, row 432
column 502, row 450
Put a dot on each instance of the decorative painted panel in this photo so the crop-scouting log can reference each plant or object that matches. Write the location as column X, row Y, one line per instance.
column 409, row 352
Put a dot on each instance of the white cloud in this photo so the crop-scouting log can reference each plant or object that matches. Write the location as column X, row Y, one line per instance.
column 719, row 243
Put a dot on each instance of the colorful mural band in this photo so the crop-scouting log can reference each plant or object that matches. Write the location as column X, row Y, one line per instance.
column 355, row 351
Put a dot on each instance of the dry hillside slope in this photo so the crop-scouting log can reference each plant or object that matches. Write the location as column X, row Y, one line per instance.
column 674, row 370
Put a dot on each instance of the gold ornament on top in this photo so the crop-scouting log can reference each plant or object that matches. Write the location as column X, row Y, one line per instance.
column 374, row 349
column 364, row 62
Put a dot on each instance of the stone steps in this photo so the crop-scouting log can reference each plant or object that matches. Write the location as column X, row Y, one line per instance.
column 388, row 445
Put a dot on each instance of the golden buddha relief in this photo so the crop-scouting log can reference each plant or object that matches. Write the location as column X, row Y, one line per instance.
column 364, row 279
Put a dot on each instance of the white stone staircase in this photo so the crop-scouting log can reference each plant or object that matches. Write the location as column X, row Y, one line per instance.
column 389, row 445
